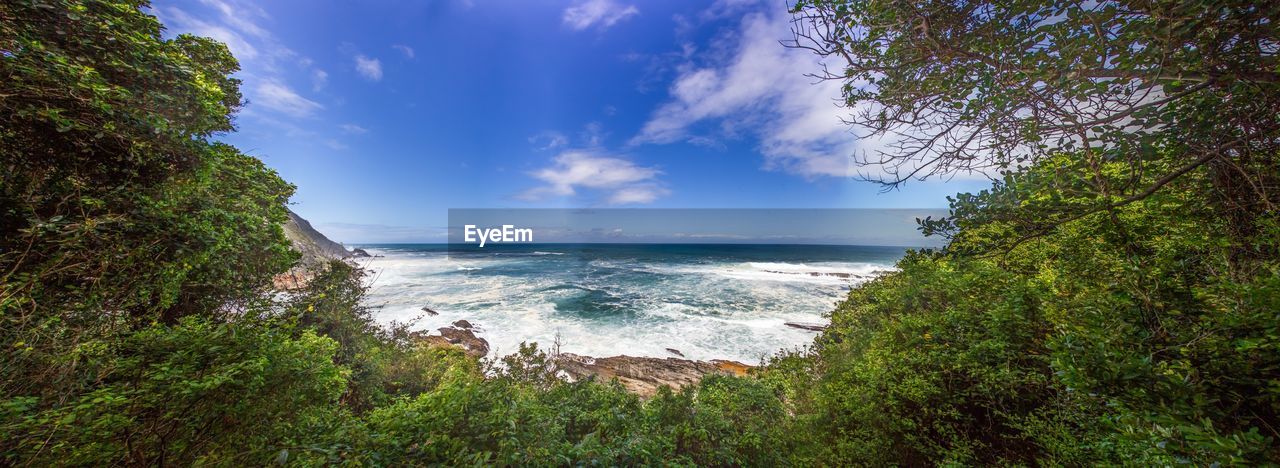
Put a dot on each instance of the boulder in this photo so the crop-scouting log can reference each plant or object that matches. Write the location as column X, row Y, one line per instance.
column 451, row 337
column 675, row 352
column 360, row 253
column 732, row 367
column 429, row 311
column 467, row 340
column 462, row 324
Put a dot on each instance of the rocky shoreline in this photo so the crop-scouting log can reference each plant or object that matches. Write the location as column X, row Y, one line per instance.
column 643, row 376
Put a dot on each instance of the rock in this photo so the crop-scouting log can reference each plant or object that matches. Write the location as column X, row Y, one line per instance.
column 675, row 352
column 360, row 253
column 462, row 324
column 643, row 375
column 316, row 252
column 450, row 337
column 833, row 274
column 429, row 311
column 733, row 367
column 468, row 340
column 314, row 246
column 807, row 326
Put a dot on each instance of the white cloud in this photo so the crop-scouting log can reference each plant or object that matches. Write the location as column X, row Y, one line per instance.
column 404, row 49
column 319, row 78
column 621, row 180
column 278, row 97
column 264, row 61
column 335, row 144
column 353, row 129
column 601, row 13
column 761, row 91
column 638, row 194
column 548, row 140
column 593, row 134
column 179, row 20
column 239, row 16
column 369, row 68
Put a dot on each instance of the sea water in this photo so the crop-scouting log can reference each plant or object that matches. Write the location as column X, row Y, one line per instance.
column 706, row 301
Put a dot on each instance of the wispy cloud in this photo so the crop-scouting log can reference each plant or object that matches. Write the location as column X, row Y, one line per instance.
column 760, row 91
column 319, row 78
column 278, row 97
column 265, row 62
column 548, row 140
column 600, row 13
column 404, row 49
column 621, row 181
column 353, row 129
column 370, row 68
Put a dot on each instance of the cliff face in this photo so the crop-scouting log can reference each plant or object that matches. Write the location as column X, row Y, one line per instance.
column 314, row 246
column 316, row 249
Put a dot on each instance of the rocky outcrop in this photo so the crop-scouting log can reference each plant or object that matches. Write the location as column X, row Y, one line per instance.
column 461, row 338
column 836, row 274
column 314, row 246
column 640, row 375
column 807, row 326
column 644, row 375
column 316, row 249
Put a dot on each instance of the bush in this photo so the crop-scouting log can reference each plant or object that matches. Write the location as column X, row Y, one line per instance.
column 195, row 392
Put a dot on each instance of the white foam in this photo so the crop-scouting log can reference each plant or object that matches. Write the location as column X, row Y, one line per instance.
column 711, row 311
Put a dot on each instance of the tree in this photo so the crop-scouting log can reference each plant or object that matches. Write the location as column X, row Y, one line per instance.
column 116, row 209
column 958, row 86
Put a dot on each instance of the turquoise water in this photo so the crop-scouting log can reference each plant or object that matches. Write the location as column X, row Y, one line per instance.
column 707, row 301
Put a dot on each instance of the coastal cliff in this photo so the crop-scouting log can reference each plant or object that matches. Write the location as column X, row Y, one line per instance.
column 316, row 250
column 314, row 246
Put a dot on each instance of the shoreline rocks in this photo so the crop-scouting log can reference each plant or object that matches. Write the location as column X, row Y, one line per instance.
column 645, row 375
column 462, row 338
column 810, row 326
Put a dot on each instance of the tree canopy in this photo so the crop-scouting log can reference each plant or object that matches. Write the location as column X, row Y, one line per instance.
column 983, row 86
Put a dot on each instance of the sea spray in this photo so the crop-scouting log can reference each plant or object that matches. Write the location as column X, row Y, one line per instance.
column 709, row 301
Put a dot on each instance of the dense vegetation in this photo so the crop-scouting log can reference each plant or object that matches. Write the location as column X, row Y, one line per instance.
column 1116, row 302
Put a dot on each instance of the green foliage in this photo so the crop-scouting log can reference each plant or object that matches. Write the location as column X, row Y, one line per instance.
column 525, row 416
column 1136, row 334
column 192, row 392
column 115, row 209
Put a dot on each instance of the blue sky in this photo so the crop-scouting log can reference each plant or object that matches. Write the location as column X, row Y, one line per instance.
column 388, row 113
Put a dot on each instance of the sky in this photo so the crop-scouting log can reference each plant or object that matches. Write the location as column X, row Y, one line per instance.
column 386, row 114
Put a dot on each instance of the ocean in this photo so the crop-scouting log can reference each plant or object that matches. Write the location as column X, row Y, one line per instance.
column 708, row 301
